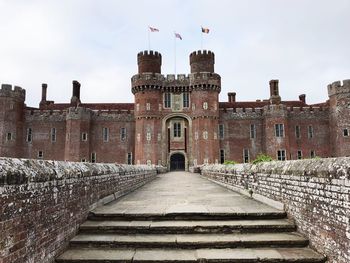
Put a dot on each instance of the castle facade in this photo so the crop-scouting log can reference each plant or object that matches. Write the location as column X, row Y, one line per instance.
column 175, row 121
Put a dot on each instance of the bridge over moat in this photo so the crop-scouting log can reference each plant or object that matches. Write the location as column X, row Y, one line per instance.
column 83, row 212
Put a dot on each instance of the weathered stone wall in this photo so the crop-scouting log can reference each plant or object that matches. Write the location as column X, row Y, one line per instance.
column 42, row 203
column 315, row 192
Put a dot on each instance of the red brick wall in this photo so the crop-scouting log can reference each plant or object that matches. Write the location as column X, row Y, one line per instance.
column 42, row 206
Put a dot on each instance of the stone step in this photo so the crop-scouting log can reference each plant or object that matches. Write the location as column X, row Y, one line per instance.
column 189, row 226
column 189, row 241
column 186, row 216
column 236, row 255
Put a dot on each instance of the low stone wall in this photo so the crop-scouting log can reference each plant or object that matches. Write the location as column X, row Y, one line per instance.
column 316, row 193
column 42, row 203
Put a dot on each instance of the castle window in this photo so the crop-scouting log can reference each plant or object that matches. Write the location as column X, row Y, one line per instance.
column 312, row 154
column 279, row 130
column 148, row 136
column 281, row 155
column 148, row 106
column 138, row 137
column 84, row 136
column 159, row 137
column 205, row 105
column 11, row 106
column 297, row 132
column 221, row 131
column 167, row 100
column 9, row 136
column 196, row 135
column 53, row 134
column 149, row 162
column 299, row 155
column 205, row 135
column 29, row 135
column 186, row 99
column 123, row 134
column 193, row 106
column 252, row 131
column 222, row 156
column 105, row 134
column 345, row 132
column 310, row 132
column 137, row 107
column 215, row 136
column 93, row 157
column 129, row 158
column 40, row 154
column 246, row 155
column 177, row 129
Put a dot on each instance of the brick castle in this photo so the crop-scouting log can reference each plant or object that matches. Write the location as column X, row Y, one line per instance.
column 175, row 121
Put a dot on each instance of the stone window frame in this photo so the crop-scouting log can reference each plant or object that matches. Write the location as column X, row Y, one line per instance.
column 310, row 132
column 9, row 136
column 246, row 155
column 252, row 131
column 29, row 136
column 299, row 154
column 279, row 130
column 137, row 107
column 84, row 136
column 167, row 100
column 222, row 156
column 221, row 129
column 177, row 129
column 185, row 99
column 105, row 134
column 196, row 135
column 123, row 134
column 53, row 134
column 193, row 106
column 138, row 137
column 297, row 131
column 281, row 155
column 148, row 136
column 129, row 158
column 312, row 153
column 40, row 154
column 205, row 135
column 205, row 105
column 148, row 106
column 93, row 157
column 345, row 132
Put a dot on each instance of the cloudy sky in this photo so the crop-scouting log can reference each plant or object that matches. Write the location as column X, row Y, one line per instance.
column 303, row 43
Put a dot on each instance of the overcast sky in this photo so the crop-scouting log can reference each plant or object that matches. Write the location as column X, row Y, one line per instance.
column 303, row 43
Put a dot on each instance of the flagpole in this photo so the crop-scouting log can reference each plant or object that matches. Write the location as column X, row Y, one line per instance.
column 149, row 39
column 175, row 53
column 201, row 40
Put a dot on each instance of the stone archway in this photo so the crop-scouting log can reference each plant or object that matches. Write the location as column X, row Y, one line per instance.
column 177, row 162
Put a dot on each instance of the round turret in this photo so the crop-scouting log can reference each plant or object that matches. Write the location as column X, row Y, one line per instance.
column 202, row 61
column 149, row 61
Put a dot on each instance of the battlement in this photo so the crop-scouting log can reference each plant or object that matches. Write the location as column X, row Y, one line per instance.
column 339, row 87
column 78, row 113
column 202, row 61
column 17, row 92
column 149, row 61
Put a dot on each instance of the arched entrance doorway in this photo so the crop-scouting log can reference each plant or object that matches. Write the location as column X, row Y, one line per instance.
column 177, row 162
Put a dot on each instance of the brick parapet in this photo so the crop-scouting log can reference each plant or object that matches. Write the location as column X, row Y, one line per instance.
column 42, row 203
column 16, row 92
column 314, row 192
column 338, row 87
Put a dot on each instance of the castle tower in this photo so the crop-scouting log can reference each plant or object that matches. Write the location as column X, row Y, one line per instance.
column 146, row 86
column 11, row 120
column 205, row 87
column 339, row 120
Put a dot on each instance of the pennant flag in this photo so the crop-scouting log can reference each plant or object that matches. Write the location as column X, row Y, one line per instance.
column 177, row 35
column 153, row 29
column 205, row 30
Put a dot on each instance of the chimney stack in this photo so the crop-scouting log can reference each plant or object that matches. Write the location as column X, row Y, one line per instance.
column 76, row 93
column 43, row 92
column 231, row 96
column 274, row 92
column 302, row 98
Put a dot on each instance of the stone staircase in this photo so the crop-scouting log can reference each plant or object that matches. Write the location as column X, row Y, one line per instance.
column 189, row 237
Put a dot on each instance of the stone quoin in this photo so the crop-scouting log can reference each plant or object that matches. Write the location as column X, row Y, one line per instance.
column 175, row 121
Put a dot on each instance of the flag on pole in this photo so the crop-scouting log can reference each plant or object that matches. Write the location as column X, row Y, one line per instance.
column 177, row 35
column 153, row 29
column 205, row 30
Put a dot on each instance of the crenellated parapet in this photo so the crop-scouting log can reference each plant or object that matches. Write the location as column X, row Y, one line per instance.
column 241, row 113
column 15, row 92
column 202, row 61
column 149, row 61
column 339, row 87
column 78, row 113
column 176, row 83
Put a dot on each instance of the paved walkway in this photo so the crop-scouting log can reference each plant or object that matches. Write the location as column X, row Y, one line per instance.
column 181, row 192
